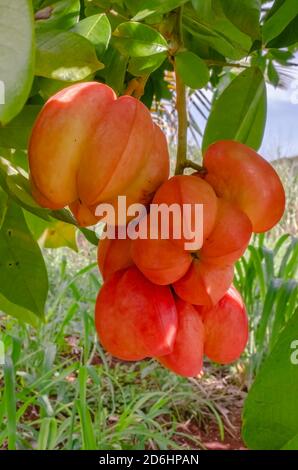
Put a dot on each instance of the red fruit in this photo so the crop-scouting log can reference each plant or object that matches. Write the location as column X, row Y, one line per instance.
column 187, row 356
column 226, row 328
column 238, row 174
column 229, row 237
column 134, row 318
column 113, row 256
column 161, row 261
column 204, row 284
column 87, row 147
column 189, row 190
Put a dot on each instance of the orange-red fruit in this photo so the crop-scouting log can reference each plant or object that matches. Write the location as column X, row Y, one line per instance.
column 134, row 318
column 238, row 174
column 204, row 284
column 189, row 190
column 229, row 237
column 226, row 328
column 113, row 256
column 186, row 358
column 88, row 147
column 161, row 261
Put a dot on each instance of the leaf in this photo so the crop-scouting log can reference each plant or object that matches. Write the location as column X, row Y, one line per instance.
column 192, row 69
column 17, row 56
column 59, row 15
column 3, row 206
column 292, row 444
column 151, row 7
column 17, row 186
column 115, row 70
column 138, row 40
column 36, row 225
column 273, row 74
column 288, row 37
column 65, row 56
column 207, row 23
column 20, row 313
column 23, row 275
column 281, row 56
column 245, row 15
column 240, row 111
column 270, row 418
column 59, row 234
column 139, row 66
column 284, row 13
column 97, row 30
column 16, row 133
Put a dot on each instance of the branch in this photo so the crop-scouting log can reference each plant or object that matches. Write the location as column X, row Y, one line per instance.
column 195, row 166
column 182, row 125
column 181, row 105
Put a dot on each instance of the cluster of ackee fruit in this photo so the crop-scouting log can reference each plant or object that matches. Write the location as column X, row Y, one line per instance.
column 159, row 299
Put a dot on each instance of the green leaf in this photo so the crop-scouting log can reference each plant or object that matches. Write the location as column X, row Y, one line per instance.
column 97, row 30
column 245, row 15
column 273, row 74
column 3, row 206
column 139, row 66
column 207, row 23
column 59, row 234
column 192, row 69
column 151, row 7
column 288, row 37
column 285, row 12
column 59, row 15
column 138, row 40
column 65, row 56
column 36, row 225
column 281, row 56
column 240, row 111
column 10, row 402
column 17, row 56
column 16, row 133
column 20, row 313
column 115, row 69
column 292, row 444
column 17, row 186
column 23, row 275
column 270, row 418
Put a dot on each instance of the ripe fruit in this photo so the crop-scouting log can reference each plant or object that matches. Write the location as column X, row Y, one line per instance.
column 87, row 147
column 187, row 356
column 230, row 236
column 204, row 284
column 189, row 190
column 226, row 328
column 135, row 318
column 238, row 174
column 113, row 256
column 161, row 261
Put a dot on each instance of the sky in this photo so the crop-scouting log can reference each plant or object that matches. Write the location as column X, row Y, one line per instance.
column 281, row 133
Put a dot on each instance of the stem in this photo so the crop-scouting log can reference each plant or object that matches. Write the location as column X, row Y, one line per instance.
column 136, row 87
column 225, row 64
column 181, row 105
column 195, row 166
column 182, row 125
